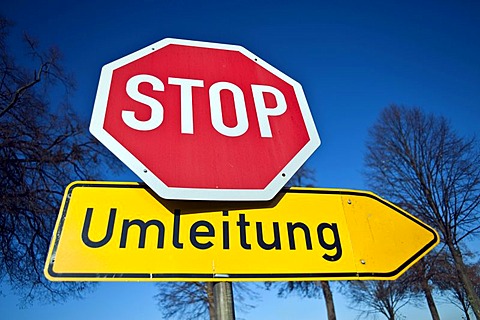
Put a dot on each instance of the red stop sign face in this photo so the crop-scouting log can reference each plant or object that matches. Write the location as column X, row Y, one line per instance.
column 204, row 121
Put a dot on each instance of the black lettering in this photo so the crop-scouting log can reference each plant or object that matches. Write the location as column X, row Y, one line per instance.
column 143, row 232
column 194, row 233
column 330, row 246
column 276, row 237
column 242, row 224
column 176, row 229
column 291, row 236
column 86, row 227
column 226, row 238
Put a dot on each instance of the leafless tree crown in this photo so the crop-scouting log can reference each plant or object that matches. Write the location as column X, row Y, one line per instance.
column 43, row 147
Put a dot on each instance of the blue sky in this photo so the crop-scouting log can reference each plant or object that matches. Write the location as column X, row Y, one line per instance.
column 353, row 58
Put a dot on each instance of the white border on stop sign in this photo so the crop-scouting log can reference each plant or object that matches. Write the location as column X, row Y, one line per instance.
column 158, row 186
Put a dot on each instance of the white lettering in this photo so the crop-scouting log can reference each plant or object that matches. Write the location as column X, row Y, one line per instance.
column 186, row 101
column 156, row 117
column 186, row 105
column 216, row 109
column 263, row 113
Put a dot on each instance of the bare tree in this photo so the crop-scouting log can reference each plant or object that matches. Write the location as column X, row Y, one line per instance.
column 186, row 300
column 304, row 177
column 421, row 279
column 420, row 163
column 449, row 284
column 42, row 150
column 194, row 300
column 379, row 297
column 307, row 289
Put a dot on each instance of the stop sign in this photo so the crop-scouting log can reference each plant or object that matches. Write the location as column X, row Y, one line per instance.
column 204, row 121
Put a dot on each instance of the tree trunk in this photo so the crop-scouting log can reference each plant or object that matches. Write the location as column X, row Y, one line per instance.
column 430, row 302
column 464, row 304
column 465, row 280
column 465, row 311
column 327, row 294
column 211, row 301
column 427, row 291
column 391, row 314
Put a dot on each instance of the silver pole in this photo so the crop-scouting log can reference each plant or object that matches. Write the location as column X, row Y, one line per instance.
column 223, row 298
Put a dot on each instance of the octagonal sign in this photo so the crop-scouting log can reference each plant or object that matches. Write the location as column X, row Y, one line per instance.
column 204, row 121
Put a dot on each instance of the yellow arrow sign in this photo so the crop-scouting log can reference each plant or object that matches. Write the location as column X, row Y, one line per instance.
column 124, row 232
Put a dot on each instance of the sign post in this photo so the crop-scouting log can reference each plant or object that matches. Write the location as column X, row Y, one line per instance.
column 223, row 297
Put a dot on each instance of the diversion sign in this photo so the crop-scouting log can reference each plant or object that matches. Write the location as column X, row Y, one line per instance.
column 125, row 232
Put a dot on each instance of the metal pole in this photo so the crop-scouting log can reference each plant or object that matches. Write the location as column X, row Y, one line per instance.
column 223, row 299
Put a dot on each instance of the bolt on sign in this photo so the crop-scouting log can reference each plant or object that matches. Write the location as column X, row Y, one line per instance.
column 204, row 121
column 301, row 234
